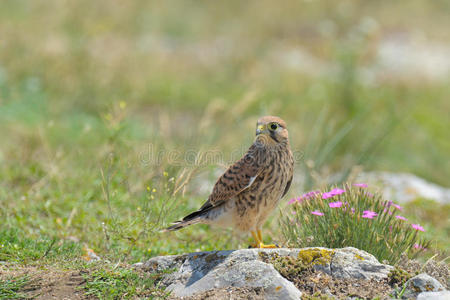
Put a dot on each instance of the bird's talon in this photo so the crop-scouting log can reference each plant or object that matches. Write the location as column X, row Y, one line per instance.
column 270, row 246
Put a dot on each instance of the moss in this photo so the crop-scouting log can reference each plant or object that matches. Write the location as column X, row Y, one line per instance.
column 359, row 257
column 289, row 266
column 398, row 276
column 316, row 256
column 264, row 256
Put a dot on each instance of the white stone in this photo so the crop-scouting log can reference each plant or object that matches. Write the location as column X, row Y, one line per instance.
column 445, row 295
column 422, row 283
column 203, row 271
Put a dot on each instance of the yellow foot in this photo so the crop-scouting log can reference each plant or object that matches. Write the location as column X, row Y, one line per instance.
column 258, row 241
column 261, row 245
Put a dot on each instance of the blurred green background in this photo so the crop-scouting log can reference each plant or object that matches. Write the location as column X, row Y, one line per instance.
column 92, row 91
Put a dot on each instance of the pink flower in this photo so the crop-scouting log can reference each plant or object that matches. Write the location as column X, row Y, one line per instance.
column 317, row 213
column 367, row 214
column 417, row 227
column 332, row 193
column 369, row 194
column 337, row 191
column 312, row 193
column 388, row 211
column 361, row 185
column 335, row 204
column 420, row 247
column 304, row 197
column 298, row 199
column 397, row 206
column 401, row 218
column 326, row 195
column 294, row 213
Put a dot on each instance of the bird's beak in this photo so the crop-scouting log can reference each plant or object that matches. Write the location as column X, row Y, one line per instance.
column 260, row 129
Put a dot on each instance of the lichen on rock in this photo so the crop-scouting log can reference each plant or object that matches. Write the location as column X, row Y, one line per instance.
column 316, row 256
column 398, row 276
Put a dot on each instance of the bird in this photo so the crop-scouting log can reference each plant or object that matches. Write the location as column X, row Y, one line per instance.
column 250, row 189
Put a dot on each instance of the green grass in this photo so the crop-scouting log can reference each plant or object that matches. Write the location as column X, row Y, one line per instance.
column 15, row 246
column 435, row 218
column 100, row 103
column 10, row 287
column 123, row 283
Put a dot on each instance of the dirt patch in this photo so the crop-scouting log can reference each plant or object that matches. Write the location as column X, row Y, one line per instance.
column 226, row 294
column 312, row 283
column 438, row 270
column 47, row 283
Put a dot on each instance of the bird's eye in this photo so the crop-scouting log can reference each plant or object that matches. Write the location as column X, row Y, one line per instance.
column 273, row 126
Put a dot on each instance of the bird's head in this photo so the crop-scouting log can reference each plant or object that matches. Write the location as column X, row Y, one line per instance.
column 271, row 130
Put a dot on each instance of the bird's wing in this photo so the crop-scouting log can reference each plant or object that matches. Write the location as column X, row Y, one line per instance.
column 237, row 178
column 288, row 185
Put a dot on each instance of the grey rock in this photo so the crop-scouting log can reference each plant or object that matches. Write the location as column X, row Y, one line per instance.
column 203, row 271
column 422, row 283
column 444, row 295
column 161, row 263
column 248, row 274
column 354, row 263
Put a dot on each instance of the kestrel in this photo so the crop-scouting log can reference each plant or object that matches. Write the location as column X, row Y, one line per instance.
column 247, row 193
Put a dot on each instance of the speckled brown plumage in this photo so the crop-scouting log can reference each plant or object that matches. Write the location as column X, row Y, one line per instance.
column 250, row 189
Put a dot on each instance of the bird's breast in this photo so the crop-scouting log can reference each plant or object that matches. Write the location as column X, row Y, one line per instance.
column 268, row 188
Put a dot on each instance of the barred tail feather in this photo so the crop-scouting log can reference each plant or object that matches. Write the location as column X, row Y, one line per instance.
column 190, row 219
column 181, row 224
column 198, row 216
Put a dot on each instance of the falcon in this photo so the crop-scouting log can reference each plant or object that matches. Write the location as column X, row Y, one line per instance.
column 250, row 189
